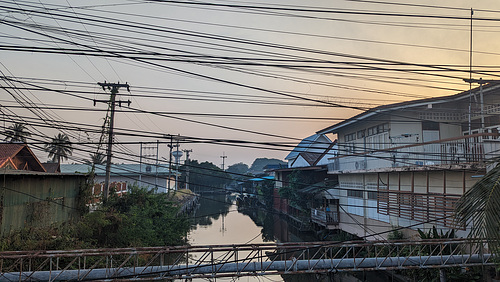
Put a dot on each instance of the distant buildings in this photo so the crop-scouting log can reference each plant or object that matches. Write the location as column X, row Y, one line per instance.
column 124, row 175
column 307, row 174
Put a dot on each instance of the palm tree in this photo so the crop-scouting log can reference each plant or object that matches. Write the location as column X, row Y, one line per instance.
column 16, row 133
column 479, row 209
column 96, row 158
column 59, row 148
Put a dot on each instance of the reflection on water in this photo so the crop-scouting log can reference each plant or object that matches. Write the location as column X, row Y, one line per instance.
column 218, row 221
column 212, row 208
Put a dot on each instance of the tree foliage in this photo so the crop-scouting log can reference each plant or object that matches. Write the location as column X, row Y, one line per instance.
column 140, row 218
column 59, row 148
column 296, row 180
column 259, row 164
column 478, row 209
column 237, row 169
column 265, row 190
column 96, row 158
column 16, row 133
column 204, row 176
column 137, row 219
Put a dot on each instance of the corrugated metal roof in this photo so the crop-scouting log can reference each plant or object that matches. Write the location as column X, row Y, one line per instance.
column 262, row 178
column 314, row 188
column 311, row 158
column 406, row 104
column 116, row 169
column 305, row 144
column 31, row 172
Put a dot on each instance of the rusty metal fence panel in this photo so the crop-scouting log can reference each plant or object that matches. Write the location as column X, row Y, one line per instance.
column 186, row 262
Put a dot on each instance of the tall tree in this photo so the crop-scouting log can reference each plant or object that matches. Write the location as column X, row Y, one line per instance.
column 96, row 158
column 16, row 133
column 237, row 169
column 478, row 209
column 205, row 176
column 59, row 148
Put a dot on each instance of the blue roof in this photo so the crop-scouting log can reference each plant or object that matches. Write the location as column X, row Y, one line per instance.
column 116, row 169
column 306, row 143
column 262, row 178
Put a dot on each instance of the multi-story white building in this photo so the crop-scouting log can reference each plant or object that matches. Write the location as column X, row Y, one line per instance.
column 407, row 164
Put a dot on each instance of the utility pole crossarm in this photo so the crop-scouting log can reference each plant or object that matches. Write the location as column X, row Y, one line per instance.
column 113, row 88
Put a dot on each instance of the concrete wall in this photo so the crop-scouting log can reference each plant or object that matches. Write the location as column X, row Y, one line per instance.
column 424, row 193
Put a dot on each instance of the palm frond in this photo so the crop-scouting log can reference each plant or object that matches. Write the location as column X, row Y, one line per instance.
column 479, row 209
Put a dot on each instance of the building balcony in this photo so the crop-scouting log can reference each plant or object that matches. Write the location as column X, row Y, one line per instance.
column 461, row 151
column 328, row 219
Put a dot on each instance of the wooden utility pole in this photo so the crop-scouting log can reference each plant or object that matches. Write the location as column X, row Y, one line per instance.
column 113, row 88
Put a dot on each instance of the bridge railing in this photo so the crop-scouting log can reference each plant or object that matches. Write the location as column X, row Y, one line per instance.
column 185, row 262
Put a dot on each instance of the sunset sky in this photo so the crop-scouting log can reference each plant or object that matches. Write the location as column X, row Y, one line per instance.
column 246, row 79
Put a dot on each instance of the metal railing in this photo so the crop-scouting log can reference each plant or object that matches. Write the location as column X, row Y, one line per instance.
column 457, row 150
column 186, row 262
column 324, row 217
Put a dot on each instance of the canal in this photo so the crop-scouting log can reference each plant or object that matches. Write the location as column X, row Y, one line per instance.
column 218, row 220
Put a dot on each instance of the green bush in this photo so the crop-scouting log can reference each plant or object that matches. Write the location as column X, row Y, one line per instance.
column 140, row 218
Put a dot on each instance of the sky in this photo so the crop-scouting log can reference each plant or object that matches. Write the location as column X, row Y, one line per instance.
column 241, row 79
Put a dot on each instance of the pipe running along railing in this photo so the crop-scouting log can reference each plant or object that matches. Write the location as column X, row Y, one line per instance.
column 186, row 262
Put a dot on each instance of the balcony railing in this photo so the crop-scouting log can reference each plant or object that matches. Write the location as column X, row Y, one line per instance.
column 474, row 148
column 438, row 208
column 324, row 218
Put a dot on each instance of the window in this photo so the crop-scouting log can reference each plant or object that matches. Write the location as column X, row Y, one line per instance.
column 350, row 148
column 355, row 193
column 372, row 195
column 350, row 137
column 381, row 128
column 361, row 134
column 372, row 131
column 430, row 125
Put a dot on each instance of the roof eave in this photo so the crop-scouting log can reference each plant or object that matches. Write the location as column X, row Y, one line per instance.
column 408, row 104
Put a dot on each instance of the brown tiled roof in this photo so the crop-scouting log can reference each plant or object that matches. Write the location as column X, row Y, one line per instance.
column 11, row 151
column 326, row 152
column 310, row 158
column 52, row 167
column 8, row 151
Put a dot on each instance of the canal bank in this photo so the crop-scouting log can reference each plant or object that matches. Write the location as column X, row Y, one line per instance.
column 219, row 221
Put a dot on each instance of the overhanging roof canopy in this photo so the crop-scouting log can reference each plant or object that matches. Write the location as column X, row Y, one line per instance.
column 408, row 104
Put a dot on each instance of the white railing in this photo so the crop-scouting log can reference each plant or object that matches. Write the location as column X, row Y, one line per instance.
column 324, row 218
column 474, row 148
